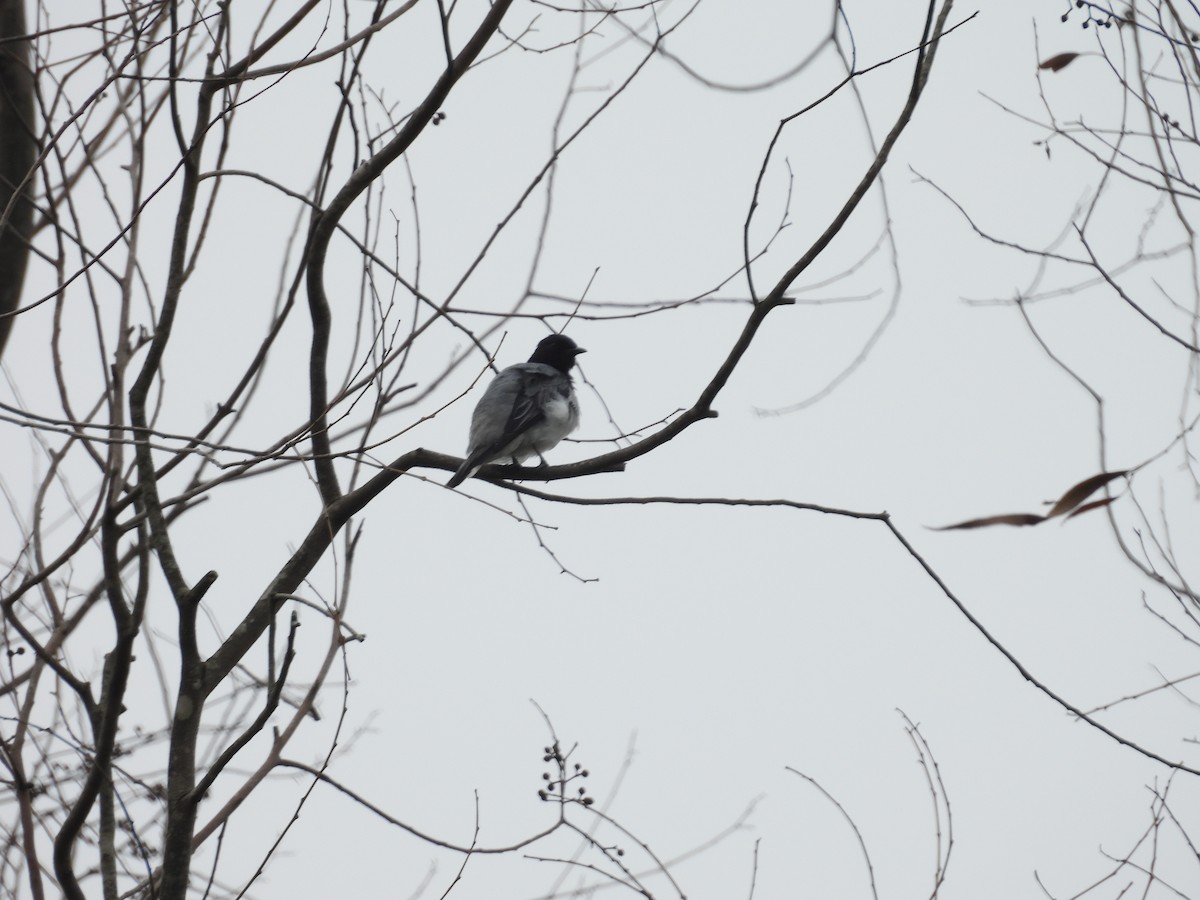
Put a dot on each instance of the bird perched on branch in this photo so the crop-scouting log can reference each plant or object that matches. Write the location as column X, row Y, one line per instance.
column 526, row 410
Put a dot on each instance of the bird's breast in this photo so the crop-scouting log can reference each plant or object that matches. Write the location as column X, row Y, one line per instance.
column 561, row 417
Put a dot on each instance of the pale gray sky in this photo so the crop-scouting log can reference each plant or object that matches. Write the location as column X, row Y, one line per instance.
column 723, row 644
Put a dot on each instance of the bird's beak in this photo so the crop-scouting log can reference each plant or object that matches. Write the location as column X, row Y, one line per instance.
column 579, row 350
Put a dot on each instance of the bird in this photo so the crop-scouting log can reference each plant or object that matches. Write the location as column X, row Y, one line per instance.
column 526, row 410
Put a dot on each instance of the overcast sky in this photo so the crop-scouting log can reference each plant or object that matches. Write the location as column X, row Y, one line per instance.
column 716, row 645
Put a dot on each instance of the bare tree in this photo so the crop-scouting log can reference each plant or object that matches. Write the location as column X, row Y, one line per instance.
column 146, row 120
column 1120, row 116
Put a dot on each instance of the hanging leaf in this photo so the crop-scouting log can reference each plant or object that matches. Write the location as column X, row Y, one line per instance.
column 1088, row 507
column 1068, row 505
column 1060, row 61
column 1080, row 492
column 1006, row 519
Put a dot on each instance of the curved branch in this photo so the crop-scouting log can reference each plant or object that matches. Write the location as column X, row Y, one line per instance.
column 326, row 224
column 392, row 820
column 1025, row 673
column 886, row 519
column 339, row 508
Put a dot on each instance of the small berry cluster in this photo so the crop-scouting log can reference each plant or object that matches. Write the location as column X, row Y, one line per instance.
column 556, row 788
column 1104, row 17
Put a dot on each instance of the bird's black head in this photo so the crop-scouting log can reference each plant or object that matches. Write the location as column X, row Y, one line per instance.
column 558, row 351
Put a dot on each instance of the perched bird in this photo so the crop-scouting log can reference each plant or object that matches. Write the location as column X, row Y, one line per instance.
column 526, row 410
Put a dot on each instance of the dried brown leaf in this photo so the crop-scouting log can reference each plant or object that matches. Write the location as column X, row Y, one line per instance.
column 1006, row 519
column 1054, row 63
column 1068, row 505
column 1080, row 492
column 1088, row 507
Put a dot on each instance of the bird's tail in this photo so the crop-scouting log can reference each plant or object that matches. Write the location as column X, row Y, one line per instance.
column 468, row 468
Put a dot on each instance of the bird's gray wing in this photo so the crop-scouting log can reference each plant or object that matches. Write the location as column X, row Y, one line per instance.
column 539, row 387
column 513, row 403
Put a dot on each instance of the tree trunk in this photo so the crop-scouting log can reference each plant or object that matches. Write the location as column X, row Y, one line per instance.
column 18, row 150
